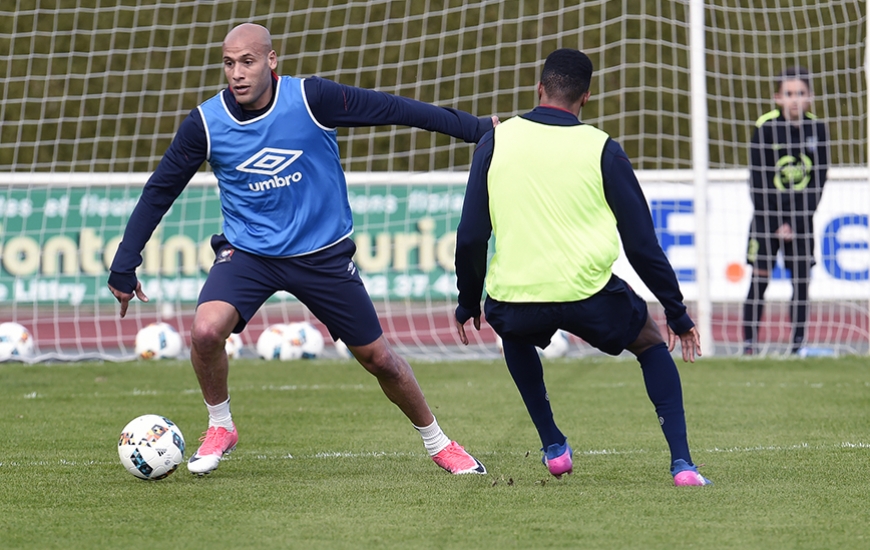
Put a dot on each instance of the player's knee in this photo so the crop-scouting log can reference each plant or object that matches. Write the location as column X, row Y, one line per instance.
column 383, row 363
column 205, row 335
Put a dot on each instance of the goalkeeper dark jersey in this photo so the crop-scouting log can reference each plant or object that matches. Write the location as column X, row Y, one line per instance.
column 789, row 166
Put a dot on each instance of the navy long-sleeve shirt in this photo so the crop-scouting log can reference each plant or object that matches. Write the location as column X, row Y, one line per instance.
column 624, row 197
column 333, row 105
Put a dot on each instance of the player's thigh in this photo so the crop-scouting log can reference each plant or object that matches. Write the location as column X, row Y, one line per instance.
column 799, row 254
column 243, row 280
column 610, row 320
column 329, row 284
column 761, row 252
column 649, row 336
column 523, row 323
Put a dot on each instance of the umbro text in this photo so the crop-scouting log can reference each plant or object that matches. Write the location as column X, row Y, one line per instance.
column 275, row 181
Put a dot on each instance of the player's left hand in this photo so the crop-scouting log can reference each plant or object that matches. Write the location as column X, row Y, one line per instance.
column 125, row 297
column 460, row 328
column 690, row 343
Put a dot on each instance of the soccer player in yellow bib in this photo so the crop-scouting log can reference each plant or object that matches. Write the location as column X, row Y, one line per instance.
column 559, row 195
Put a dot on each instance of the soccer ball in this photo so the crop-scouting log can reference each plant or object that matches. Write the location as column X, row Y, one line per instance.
column 151, row 447
column 274, row 343
column 234, row 346
column 342, row 350
column 158, row 341
column 15, row 341
column 307, row 337
column 558, row 347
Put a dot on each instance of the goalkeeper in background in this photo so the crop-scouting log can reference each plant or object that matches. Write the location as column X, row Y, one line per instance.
column 272, row 144
column 559, row 195
column 789, row 166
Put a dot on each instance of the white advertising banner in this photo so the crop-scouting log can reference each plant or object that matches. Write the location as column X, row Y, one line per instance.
column 842, row 270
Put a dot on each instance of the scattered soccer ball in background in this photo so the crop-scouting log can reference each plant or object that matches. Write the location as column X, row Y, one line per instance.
column 15, row 342
column 151, row 447
column 234, row 345
column 158, row 341
column 273, row 343
column 290, row 341
column 342, row 350
column 307, row 337
column 559, row 345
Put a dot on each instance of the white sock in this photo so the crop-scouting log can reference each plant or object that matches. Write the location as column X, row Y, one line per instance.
column 220, row 416
column 433, row 438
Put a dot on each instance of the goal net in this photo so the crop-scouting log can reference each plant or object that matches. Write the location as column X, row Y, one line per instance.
column 92, row 91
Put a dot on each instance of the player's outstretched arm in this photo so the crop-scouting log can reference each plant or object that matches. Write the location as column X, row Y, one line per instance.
column 690, row 343
column 336, row 105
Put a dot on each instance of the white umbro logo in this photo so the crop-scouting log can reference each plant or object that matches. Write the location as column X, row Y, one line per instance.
column 269, row 161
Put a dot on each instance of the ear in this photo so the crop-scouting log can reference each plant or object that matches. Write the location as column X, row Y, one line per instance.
column 540, row 90
column 273, row 60
column 585, row 99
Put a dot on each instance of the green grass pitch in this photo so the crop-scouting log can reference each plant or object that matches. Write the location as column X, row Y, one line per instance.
column 325, row 461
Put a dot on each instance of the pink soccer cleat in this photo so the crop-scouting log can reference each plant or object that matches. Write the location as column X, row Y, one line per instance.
column 456, row 460
column 216, row 443
column 686, row 474
column 559, row 459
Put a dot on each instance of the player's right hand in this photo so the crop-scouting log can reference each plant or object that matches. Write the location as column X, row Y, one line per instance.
column 690, row 343
column 125, row 297
column 785, row 232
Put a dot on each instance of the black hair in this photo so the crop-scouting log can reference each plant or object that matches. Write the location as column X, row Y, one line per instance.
column 567, row 74
column 795, row 73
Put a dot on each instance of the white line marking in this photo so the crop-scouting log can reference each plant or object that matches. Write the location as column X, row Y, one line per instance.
column 259, row 455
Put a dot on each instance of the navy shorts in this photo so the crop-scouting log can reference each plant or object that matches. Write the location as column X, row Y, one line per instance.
column 764, row 246
column 762, row 250
column 327, row 282
column 609, row 320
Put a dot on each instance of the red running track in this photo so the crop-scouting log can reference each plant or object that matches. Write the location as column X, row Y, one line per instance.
column 70, row 332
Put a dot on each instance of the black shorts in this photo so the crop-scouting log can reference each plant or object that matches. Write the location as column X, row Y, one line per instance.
column 327, row 282
column 609, row 320
column 764, row 246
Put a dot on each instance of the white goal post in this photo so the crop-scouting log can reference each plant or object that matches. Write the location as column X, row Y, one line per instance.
column 91, row 93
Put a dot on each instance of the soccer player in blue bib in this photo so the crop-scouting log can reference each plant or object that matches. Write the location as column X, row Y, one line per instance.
column 559, row 195
column 271, row 142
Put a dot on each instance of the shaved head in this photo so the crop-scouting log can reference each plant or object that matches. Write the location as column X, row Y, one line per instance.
column 250, row 34
column 249, row 60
